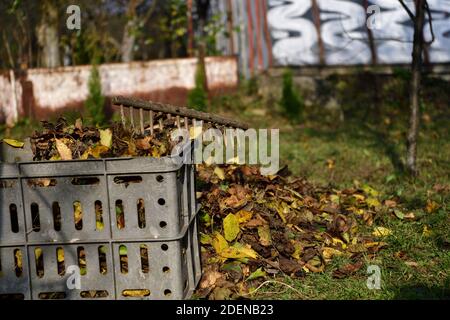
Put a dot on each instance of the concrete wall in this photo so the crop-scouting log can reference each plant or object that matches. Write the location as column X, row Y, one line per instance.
column 40, row 92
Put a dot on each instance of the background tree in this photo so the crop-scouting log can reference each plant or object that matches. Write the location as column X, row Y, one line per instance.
column 48, row 35
column 421, row 6
column 137, row 15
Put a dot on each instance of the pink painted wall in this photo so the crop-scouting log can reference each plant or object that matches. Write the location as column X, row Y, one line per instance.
column 40, row 92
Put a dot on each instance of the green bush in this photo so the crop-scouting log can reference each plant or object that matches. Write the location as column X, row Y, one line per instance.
column 198, row 97
column 95, row 102
column 291, row 101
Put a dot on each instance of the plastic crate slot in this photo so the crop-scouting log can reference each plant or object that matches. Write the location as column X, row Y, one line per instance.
column 56, row 210
column 167, row 292
column 166, row 269
column 159, row 178
column 78, row 215
column 18, row 262
column 14, row 218
column 39, row 261
column 120, row 214
column 35, row 220
column 52, row 295
column 12, row 296
column 81, row 254
column 161, row 201
column 98, row 215
column 144, row 258
column 136, row 293
column 5, row 184
column 163, row 224
column 41, row 182
column 141, row 213
column 94, row 294
column 103, row 267
column 164, row 247
column 85, row 181
column 127, row 180
column 123, row 255
column 60, row 261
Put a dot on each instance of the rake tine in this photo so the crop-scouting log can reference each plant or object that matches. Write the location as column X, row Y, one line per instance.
column 141, row 119
column 132, row 116
column 151, row 122
column 186, row 123
column 122, row 115
column 178, row 122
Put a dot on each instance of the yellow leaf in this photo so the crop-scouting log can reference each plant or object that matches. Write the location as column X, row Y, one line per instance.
column 334, row 198
column 77, row 212
column 19, row 262
column 38, row 253
column 14, row 143
column 374, row 244
column 259, row 273
column 265, row 237
column 370, row 191
column 297, row 250
column 329, row 253
column 280, row 211
column 244, row 216
column 431, row 206
column 98, row 151
column 63, row 150
column 60, row 254
column 106, row 138
column 205, row 238
column 94, row 152
column 359, row 197
column 339, row 241
column 239, row 251
column 219, row 243
column 373, row 202
column 381, row 232
column 330, row 163
column 230, row 227
column 56, row 157
column 136, row 293
column 219, row 172
column 426, row 232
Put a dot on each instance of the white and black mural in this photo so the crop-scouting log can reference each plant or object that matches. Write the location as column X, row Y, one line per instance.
column 344, row 37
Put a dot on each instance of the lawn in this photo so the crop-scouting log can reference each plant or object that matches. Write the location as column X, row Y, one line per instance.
column 368, row 147
column 362, row 143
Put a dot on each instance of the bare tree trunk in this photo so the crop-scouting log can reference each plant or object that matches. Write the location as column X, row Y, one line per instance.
column 416, row 70
column 129, row 32
column 128, row 41
column 190, row 29
column 202, row 11
column 47, row 35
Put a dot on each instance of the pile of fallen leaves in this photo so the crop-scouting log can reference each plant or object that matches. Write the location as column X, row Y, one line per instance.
column 258, row 227
column 61, row 141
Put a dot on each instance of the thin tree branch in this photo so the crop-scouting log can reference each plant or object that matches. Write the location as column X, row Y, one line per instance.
column 430, row 22
column 8, row 50
column 409, row 12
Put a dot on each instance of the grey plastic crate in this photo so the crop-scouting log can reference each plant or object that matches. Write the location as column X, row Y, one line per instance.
column 41, row 216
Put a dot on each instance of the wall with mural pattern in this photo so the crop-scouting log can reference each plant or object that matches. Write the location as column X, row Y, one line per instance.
column 300, row 29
